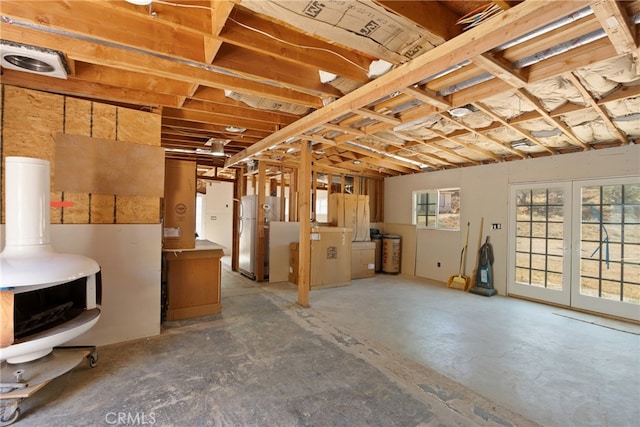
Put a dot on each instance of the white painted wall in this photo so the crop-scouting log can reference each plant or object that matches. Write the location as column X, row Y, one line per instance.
column 129, row 256
column 485, row 193
column 217, row 217
column 280, row 235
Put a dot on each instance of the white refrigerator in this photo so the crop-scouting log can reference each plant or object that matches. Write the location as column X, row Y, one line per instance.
column 247, row 261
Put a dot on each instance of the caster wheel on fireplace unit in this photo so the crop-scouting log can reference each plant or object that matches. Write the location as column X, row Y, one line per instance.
column 9, row 414
column 93, row 360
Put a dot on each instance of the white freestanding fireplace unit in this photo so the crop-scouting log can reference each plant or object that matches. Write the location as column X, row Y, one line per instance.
column 55, row 296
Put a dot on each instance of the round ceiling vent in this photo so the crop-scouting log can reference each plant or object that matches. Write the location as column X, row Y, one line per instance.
column 30, row 64
column 32, row 59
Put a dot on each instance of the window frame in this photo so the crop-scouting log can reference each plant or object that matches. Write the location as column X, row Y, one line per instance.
column 434, row 199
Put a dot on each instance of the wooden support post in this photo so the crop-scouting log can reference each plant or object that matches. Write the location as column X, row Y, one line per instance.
column 314, row 195
column 304, row 247
column 293, row 196
column 381, row 202
column 260, row 222
column 282, row 194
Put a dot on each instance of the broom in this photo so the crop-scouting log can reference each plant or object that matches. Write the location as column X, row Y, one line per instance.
column 460, row 281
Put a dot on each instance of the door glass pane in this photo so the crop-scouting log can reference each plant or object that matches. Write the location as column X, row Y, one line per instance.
column 610, row 242
column 539, row 237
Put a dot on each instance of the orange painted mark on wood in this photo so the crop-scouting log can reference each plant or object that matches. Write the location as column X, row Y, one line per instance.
column 61, row 204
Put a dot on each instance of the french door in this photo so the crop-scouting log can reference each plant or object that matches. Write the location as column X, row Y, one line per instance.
column 540, row 241
column 577, row 244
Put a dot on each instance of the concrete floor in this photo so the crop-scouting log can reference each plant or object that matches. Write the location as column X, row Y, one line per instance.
column 382, row 351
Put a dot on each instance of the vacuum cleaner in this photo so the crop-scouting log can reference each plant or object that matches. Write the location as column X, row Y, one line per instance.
column 484, row 276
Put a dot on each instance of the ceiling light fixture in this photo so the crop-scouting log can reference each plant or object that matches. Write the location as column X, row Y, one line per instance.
column 140, row 2
column 460, row 112
column 356, row 162
column 235, row 129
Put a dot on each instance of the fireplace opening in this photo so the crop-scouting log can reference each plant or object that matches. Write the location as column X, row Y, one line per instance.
column 38, row 310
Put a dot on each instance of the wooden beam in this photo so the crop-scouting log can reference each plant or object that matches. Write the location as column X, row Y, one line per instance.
column 252, row 31
column 365, row 112
column 553, row 120
column 219, row 12
column 501, row 69
column 598, row 109
column 80, row 88
column 447, row 150
column 516, row 21
column 97, row 53
column 485, row 136
column 427, row 96
column 433, row 16
column 499, row 119
column 261, row 67
column 615, row 21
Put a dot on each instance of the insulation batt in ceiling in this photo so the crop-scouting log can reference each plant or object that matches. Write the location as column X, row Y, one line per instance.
column 267, row 104
column 603, row 78
column 624, row 107
column 594, row 131
column 580, row 117
column 446, row 126
column 477, row 120
column 537, row 125
column 484, row 143
column 361, row 25
column 554, row 93
column 629, row 124
column 508, row 105
column 505, row 134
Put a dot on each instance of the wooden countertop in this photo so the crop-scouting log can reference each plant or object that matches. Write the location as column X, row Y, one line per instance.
column 201, row 245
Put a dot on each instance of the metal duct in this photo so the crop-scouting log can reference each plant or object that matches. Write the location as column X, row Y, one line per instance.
column 466, row 84
column 566, row 46
column 545, row 29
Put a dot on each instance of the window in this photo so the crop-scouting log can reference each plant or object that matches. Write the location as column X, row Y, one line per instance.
column 437, row 208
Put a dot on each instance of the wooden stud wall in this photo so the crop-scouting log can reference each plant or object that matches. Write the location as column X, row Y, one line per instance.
column 30, row 120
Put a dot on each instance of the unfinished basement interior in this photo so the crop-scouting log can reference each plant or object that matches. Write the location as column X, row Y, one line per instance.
column 320, row 213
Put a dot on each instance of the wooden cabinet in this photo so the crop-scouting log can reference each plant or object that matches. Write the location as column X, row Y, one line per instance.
column 193, row 281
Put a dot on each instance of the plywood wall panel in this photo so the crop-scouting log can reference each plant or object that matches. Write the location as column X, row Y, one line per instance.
column 138, row 126
column 79, row 212
column 31, row 120
column 102, row 209
column 137, row 210
column 56, row 213
column 143, row 128
column 77, row 118
column 103, row 121
column 105, row 166
column 77, row 121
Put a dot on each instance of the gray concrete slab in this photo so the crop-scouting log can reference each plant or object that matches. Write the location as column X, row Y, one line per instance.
column 554, row 366
column 383, row 351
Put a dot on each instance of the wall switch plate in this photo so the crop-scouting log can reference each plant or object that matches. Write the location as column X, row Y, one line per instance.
column 496, row 226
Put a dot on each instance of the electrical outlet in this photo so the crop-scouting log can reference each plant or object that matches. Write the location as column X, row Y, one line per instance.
column 496, row 226
column 438, row 263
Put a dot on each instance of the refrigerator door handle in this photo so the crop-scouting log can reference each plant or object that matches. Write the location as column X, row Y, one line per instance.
column 241, row 227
